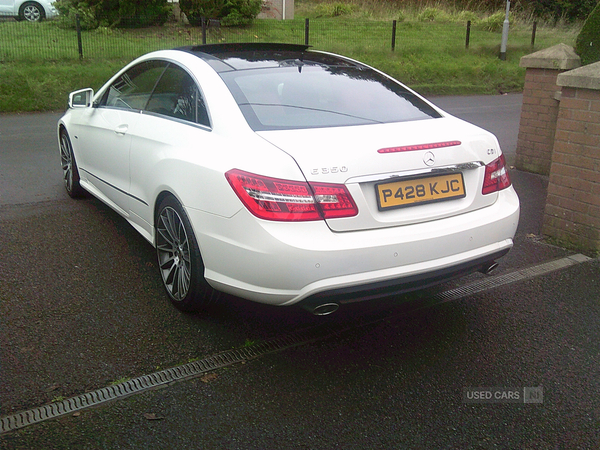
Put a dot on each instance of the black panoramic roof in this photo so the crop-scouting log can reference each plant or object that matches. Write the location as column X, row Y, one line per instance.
column 242, row 56
column 218, row 49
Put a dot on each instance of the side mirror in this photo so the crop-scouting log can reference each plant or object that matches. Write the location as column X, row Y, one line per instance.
column 81, row 98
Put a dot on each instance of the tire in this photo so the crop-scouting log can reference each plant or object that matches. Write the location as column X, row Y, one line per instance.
column 32, row 12
column 179, row 259
column 69, row 166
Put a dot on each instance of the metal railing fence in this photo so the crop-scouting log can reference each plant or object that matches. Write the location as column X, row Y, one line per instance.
column 46, row 41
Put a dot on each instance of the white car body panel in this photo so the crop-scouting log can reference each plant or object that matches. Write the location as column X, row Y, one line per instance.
column 348, row 155
column 106, row 141
column 277, row 264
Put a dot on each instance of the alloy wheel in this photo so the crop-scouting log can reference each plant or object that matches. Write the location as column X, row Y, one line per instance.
column 173, row 248
column 32, row 13
column 66, row 159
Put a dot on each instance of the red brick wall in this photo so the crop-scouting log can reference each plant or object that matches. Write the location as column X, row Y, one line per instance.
column 573, row 204
column 538, row 120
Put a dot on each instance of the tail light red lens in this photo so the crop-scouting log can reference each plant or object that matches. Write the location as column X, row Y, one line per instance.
column 412, row 148
column 285, row 200
column 496, row 176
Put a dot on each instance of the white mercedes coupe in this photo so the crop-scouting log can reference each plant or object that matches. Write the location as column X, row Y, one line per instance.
column 280, row 174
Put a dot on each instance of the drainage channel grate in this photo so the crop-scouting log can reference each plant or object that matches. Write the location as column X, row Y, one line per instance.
column 196, row 368
column 512, row 277
column 161, row 378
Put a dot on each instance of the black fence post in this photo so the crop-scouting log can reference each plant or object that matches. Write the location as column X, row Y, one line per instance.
column 306, row 31
column 394, row 35
column 468, row 39
column 79, row 43
column 203, row 19
column 533, row 35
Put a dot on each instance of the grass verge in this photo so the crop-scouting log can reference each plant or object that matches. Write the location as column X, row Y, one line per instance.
column 39, row 63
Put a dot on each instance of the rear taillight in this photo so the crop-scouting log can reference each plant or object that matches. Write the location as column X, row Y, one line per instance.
column 496, row 176
column 285, row 200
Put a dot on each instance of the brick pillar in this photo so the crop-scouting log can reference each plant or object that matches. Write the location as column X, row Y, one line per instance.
column 540, row 106
column 572, row 210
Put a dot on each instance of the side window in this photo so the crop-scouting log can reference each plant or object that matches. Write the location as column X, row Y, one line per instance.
column 177, row 95
column 133, row 88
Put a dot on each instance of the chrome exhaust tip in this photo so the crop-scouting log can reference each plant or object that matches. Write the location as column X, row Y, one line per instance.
column 488, row 267
column 322, row 310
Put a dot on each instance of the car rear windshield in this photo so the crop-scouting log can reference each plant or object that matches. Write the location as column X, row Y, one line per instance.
column 302, row 95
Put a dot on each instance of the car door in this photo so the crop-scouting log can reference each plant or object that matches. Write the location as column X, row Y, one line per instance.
column 104, row 156
column 7, row 8
column 174, row 123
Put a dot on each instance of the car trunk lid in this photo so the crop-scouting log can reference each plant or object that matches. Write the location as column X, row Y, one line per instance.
column 419, row 159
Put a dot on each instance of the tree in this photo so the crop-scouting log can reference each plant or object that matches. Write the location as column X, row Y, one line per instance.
column 114, row 13
column 587, row 45
column 229, row 12
column 570, row 10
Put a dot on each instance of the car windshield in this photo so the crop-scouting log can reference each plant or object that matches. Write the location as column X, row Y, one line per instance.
column 305, row 95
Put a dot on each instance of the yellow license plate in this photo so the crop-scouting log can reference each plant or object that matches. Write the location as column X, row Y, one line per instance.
column 417, row 191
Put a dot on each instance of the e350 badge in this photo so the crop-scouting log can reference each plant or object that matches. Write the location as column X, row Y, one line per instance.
column 328, row 170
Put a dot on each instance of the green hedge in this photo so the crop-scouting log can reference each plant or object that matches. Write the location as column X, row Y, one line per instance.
column 588, row 41
column 112, row 13
column 229, row 12
column 570, row 10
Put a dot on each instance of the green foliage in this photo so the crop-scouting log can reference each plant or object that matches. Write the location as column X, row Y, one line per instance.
column 433, row 15
column 114, row 13
column 69, row 9
column 494, row 22
column 229, row 12
column 240, row 12
column 45, row 86
column 465, row 16
column 334, row 9
column 570, row 10
column 139, row 13
column 588, row 41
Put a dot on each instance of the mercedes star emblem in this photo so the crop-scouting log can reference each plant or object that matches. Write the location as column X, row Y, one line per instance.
column 429, row 159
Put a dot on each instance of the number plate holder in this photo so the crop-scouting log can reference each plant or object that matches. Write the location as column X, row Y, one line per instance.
column 419, row 190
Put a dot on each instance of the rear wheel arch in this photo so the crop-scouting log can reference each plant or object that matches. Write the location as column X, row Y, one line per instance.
column 179, row 256
column 159, row 198
column 69, row 165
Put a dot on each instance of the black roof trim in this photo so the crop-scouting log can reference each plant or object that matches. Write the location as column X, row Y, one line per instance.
column 215, row 49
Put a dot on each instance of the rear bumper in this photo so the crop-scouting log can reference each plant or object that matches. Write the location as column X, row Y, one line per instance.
column 372, row 291
column 285, row 263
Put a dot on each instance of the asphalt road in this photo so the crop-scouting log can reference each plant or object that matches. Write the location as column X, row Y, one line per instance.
column 82, row 307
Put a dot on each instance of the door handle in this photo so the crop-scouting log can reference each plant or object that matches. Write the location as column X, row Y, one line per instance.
column 122, row 129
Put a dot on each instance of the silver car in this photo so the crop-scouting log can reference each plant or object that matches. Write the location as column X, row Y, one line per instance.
column 32, row 11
